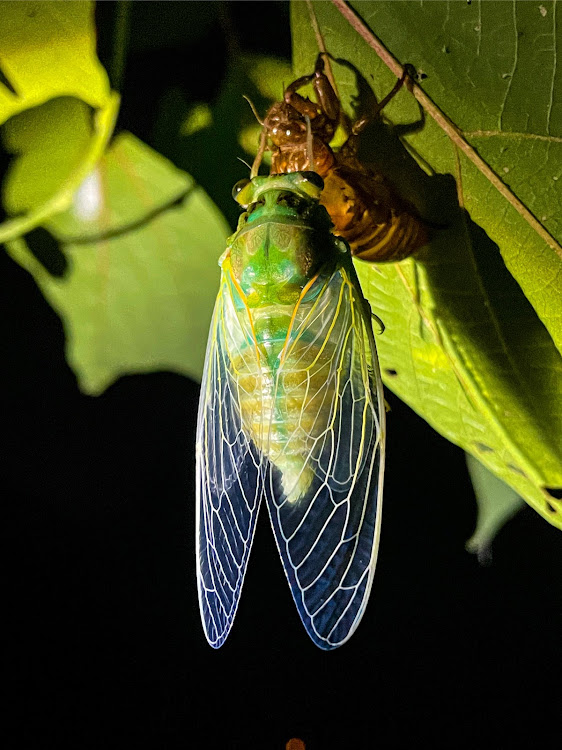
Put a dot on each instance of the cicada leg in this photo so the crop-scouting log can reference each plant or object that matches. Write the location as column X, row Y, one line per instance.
column 299, row 126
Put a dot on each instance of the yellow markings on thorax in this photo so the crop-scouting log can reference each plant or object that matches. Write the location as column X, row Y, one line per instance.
column 227, row 267
column 294, row 315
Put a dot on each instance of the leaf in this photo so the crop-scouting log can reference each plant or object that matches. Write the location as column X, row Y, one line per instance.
column 56, row 107
column 483, row 67
column 140, row 244
column 497, row 504
column 212, row 154
column 463, row 346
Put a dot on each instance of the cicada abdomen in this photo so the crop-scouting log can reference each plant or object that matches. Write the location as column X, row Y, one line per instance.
column 365, row 209
column 291, row 410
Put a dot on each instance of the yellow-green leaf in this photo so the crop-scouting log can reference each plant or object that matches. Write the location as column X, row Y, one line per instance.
column 137, row 256
column 56, row 108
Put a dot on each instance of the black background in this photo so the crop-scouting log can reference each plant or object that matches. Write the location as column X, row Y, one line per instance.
column 104, row 643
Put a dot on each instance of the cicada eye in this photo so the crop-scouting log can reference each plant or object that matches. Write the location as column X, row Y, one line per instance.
column 240, row 185
column 314, row 179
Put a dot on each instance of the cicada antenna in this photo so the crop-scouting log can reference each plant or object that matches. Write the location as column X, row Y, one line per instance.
column 244, row 162
column 254, row 110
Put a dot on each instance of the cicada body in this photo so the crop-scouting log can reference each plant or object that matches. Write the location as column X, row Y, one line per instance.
column 365, row 209
column 292, row 411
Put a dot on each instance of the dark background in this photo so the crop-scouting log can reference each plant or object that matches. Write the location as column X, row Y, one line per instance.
column 104, row 643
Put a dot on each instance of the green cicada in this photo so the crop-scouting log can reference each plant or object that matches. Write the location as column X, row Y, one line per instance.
column 292, row 410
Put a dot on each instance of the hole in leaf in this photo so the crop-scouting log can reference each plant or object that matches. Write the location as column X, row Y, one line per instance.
column 390, row 372
column 555, row 492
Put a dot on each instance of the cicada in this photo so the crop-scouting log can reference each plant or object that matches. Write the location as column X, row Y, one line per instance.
column 291, row 411
column 365, row 208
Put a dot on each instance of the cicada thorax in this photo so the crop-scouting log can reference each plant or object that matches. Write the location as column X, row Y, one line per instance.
column 363, row 205
column 278, row 263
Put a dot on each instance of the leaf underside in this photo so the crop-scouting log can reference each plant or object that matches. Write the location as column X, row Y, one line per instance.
column 140, row 245
column 463, row 344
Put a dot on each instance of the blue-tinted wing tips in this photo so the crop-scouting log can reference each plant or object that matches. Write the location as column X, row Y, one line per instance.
column 329, row 559
column 228, row 514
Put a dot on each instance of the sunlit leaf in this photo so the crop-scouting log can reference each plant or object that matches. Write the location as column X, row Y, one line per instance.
column 56, row 107
column 140, row 246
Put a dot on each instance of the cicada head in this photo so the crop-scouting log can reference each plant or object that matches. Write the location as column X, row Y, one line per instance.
column 307, row 185
column 284, row 124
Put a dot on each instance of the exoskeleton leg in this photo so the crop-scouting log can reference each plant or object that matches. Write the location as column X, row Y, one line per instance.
column 362, row 123
column 328, row 101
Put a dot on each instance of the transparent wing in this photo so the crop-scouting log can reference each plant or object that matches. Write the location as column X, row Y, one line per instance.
column 229, row 470
column 324, row 483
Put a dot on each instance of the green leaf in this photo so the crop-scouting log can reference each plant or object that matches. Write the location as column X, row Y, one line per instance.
column 463, row 345
column 56, row 107
column 135, row 293
column 497, row 504
column 485, row 69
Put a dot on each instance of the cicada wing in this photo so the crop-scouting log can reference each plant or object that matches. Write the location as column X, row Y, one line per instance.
column 324, row 488
column 229, row 469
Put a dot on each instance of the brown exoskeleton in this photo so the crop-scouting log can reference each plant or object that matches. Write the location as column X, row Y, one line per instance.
column 365, row 209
